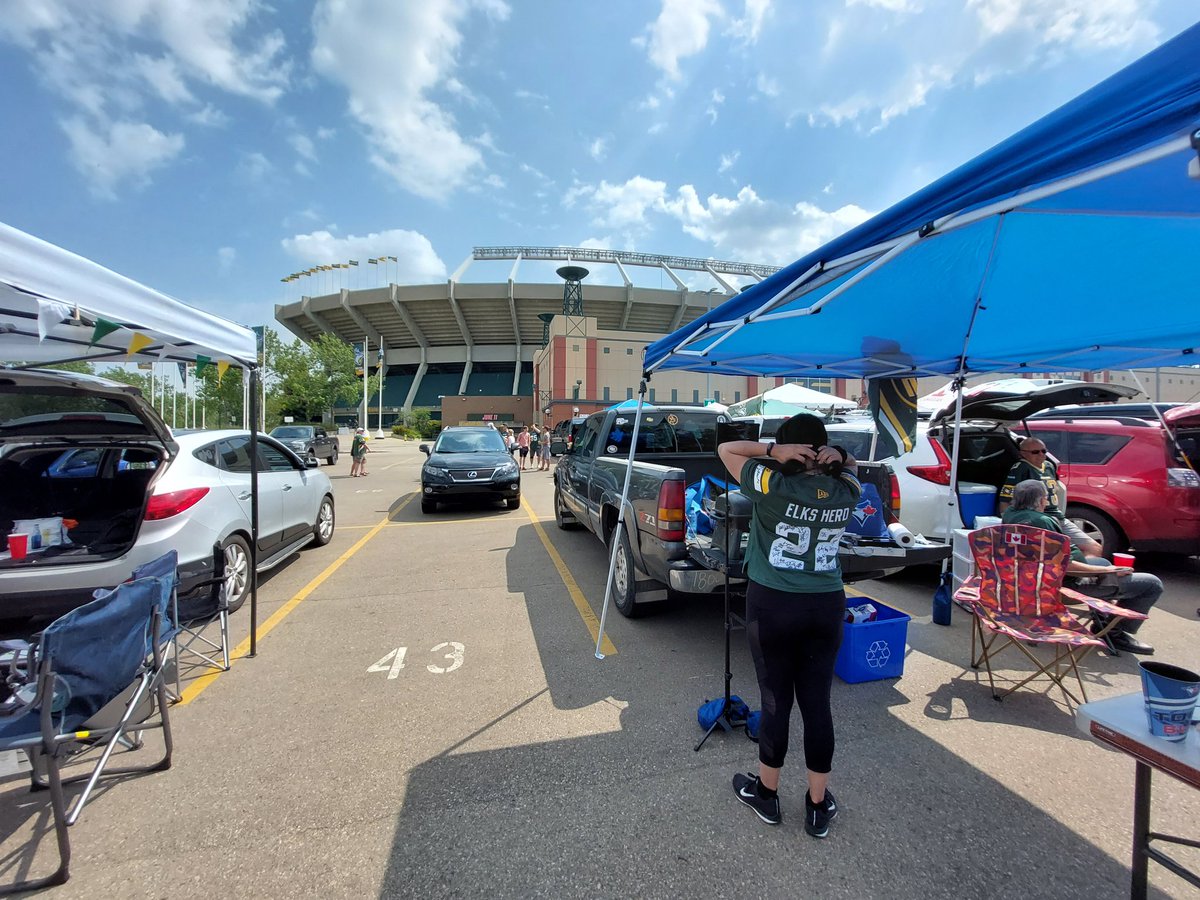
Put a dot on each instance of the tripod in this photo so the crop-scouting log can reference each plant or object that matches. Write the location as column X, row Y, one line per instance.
column 728, row 720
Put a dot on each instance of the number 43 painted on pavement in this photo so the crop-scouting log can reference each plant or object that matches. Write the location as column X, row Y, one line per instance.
column 394, row 661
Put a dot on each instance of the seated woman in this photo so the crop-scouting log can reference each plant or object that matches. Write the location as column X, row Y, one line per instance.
column 1138, row 591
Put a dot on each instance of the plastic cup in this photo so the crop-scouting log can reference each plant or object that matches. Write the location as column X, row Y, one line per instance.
column 1170, row 693
column 18, row 545
column 1124, row 559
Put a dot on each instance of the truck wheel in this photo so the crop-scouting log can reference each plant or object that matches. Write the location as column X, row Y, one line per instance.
column 625, row 581
column 562, row 518
column 333, row 457
column 1098, row 527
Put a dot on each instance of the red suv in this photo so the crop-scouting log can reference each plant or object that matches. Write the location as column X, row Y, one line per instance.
column 1129, row 482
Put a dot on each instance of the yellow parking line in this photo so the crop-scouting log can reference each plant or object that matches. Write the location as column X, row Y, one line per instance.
column 197, row 687
column 585, row 609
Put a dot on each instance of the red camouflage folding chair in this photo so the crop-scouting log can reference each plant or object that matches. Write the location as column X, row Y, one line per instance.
column 1017, row 600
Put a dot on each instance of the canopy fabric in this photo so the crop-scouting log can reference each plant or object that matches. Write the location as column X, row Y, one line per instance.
column 787, row 400
column 72, row 294
column 1087, row 218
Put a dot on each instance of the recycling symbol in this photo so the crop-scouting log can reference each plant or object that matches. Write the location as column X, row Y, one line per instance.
column 878, row 654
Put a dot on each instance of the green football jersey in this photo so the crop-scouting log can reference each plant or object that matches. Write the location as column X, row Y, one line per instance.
column 1026, row 471
column 797, row 523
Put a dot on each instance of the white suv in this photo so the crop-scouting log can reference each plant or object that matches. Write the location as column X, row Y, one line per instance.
column 988, row 446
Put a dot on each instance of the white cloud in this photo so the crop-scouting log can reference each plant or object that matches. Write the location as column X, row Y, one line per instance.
column 225, row 258
column 749, row 26
column 727, row 161
column 391, row 57
column 208, row 116
column 681, row 30
column 597, row 149
column 122, row 151
column 325, row 133
column 871, row 68
column 493, row 181
column 254, row 168
column 417, row 261
column 766, row 85
column 108, row 60
column 742, row 227
column 303, row 146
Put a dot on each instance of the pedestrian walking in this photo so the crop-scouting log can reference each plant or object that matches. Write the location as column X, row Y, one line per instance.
column 535, row 447
column 795, row 602
column 358, row 454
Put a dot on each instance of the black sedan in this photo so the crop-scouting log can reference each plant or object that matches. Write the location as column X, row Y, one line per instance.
column 469, row 463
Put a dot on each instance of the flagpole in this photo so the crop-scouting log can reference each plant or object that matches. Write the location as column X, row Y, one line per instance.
column 365, row 421
column 382, row 369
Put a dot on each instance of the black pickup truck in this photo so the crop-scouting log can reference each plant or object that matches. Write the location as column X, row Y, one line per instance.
column 676, row 446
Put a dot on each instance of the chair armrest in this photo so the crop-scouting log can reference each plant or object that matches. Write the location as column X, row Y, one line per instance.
column 968, row 592
column 1101, row 606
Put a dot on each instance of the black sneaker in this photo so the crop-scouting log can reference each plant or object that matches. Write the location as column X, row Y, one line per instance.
column 746, row 788
column 818, row 817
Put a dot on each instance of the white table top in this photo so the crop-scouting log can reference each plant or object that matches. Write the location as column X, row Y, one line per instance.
column 1120, row 722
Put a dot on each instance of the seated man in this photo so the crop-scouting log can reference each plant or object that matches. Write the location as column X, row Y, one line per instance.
column 1035, row 462
column 1138, row 591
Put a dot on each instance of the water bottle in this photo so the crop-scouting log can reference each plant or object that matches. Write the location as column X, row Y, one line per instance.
column 942, row 602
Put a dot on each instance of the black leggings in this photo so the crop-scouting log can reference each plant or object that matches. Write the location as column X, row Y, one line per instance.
column 794, row 639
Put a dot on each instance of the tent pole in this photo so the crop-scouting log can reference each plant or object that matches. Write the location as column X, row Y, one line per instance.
column 617, row 532
column 1163, row 422
column 253, row 391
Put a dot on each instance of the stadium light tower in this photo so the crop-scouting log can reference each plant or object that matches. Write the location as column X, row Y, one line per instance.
column 572, row 277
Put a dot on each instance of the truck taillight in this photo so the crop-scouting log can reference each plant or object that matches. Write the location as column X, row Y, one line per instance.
column 939, row 473
column 670, row 511
column 895, row 496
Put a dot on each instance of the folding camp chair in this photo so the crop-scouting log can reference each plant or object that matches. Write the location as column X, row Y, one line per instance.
column 98, row 685
column 1016, row 600
column 184, row 629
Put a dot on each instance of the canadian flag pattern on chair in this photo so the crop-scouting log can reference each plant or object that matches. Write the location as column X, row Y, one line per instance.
column 1016, row 599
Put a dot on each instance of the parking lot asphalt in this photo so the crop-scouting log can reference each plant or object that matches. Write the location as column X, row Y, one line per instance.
column 425, row 718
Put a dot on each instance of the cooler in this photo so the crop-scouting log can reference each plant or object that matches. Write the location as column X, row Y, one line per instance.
column 963, row 562
column 975, row 500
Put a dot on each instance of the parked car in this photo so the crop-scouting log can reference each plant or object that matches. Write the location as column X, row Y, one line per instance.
column 1129, row 480
column 308, row 441
column 469, row 462
column 1107, row 411
column 137, row 492
column 988, row 447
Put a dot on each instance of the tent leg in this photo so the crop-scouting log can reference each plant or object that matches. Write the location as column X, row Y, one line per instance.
column 253, row 392
column 616, row 541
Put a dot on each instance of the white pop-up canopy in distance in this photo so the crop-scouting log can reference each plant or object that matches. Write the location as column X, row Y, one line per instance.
column 51, row 301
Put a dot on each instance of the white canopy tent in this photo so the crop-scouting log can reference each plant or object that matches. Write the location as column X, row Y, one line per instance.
column 789, row 399
column 57, row 306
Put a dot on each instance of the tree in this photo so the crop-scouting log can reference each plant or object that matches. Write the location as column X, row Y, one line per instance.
column 312, row 378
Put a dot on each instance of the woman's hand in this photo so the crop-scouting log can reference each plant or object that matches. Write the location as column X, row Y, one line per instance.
column 797, row 453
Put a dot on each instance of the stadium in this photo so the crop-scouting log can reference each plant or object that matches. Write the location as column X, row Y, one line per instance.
column 563, row 331
column 533, row 345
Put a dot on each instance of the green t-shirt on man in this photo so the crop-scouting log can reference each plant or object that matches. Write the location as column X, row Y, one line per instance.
column 797, row 523
column 1026, row 471
column 1039, row 520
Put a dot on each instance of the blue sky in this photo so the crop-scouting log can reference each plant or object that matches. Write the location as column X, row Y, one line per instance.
column 210, row 147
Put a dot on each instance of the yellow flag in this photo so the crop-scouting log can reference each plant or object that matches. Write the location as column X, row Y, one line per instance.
column 139, row 342
column 222, row 368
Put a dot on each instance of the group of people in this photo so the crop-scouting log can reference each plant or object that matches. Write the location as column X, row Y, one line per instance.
column 532, row 444
column 803, row 493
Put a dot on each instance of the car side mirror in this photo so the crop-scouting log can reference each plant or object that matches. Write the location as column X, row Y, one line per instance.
column 310, row 463
column 424, row 448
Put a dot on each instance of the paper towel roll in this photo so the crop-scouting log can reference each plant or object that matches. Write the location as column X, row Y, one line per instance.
column 901, row 535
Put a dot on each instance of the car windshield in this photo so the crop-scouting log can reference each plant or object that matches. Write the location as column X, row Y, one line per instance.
column 291, row 431
column 469, row 441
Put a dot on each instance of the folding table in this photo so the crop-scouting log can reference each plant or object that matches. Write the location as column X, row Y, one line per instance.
column 1120, row 723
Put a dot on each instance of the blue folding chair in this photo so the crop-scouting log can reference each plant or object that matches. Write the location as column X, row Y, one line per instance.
column 99, row 685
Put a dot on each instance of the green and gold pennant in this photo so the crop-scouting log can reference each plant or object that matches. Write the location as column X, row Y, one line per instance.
column 202, row 363
column 103, row 327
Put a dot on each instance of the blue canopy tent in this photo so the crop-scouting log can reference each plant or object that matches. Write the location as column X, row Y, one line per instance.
column 1065, row 247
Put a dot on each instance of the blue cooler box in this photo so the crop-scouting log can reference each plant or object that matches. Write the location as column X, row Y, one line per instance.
column 975, row 500
column 873, row 650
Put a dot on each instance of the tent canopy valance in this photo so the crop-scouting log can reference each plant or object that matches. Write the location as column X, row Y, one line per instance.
column 1069, row 246
column 56, row 305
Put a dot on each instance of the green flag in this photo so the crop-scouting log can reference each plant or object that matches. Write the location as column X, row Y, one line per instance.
column 202, row 363
column 103, row 327
column 893, row 404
